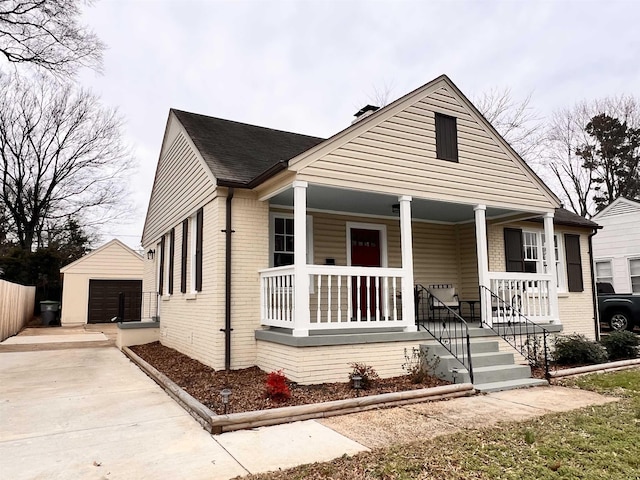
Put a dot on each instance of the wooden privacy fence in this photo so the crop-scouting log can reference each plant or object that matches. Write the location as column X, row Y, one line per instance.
column 16, row 307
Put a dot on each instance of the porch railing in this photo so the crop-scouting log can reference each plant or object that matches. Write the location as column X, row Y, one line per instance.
column 445, row 325
column 526, row 336
column 339, row 297
column 277, row 297
column 149, row 306
column 528, row 293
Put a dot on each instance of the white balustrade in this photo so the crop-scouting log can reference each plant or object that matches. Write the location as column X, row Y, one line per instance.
column 277, row 297
column 526, row 293
column 340, row 297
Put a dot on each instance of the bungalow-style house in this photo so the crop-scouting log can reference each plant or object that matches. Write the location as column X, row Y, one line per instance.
column 299, row 253
column 616, row 249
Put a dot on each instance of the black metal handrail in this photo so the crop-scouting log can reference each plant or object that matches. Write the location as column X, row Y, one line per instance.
column 519, row 331
column 445, row 325
column 149, row 304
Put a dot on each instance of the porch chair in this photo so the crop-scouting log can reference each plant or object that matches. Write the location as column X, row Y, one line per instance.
column 506, row 308
column 442, row 299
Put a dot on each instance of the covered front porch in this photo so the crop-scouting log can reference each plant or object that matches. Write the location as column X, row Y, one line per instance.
column 353, row 258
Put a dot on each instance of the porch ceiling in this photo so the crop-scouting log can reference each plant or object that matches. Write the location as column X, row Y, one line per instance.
column 367, row 203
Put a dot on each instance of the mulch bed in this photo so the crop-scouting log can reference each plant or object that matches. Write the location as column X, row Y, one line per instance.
column 248, row 385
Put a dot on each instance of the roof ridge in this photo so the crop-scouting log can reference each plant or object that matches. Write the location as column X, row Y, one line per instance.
column 177, row 110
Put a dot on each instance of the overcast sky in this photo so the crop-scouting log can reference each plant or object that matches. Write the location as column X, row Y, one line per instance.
column 308, row 66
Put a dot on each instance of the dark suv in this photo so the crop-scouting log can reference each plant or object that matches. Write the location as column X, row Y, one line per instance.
column 620, row 310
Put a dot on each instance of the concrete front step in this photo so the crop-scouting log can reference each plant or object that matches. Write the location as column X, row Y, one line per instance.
column 484, row 359
column 491, row 368
column 509, row 385
column 477, row 346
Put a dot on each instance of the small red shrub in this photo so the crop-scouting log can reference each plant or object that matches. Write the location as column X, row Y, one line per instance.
column 277, row 388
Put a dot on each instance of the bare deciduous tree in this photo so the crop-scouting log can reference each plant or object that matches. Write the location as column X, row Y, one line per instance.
column 61, row 157
column 46, row 33
column 515, row 120
column 567, row 134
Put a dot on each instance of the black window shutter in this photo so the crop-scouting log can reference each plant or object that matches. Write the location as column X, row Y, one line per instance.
column 446, row 137
column 574, row 262
column 161, row 275
column 183, row 258
column 172, row 251
column 513, row 249
column 199, row 218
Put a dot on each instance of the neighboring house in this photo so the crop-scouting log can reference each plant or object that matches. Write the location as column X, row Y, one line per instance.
column 616, row 248
column 92, row 285
column 294, row 252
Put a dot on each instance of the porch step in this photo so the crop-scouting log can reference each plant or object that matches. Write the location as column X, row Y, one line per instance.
column 510, row 385
column 492, row 370
column 484, row 359
column 477, row 346
column 500, row 373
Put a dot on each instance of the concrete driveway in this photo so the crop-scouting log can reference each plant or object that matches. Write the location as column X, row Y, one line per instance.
column 92, row 414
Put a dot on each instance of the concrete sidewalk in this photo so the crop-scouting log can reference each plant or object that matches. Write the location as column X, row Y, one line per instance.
column 91, row 413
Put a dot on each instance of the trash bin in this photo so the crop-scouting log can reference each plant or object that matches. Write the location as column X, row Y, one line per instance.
column 49, row 312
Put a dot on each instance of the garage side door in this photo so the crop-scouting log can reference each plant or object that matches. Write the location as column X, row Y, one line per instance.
column 103, row 300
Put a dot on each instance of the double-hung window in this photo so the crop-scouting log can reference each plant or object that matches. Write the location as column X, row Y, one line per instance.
column 634, row 273
column 283, row 239
column 604, row 272
column 525, row 253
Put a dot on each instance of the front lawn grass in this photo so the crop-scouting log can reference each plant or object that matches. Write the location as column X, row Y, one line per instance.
column 591, row 443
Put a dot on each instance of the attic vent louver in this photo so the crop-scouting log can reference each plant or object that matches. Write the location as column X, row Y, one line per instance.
column 364, row 112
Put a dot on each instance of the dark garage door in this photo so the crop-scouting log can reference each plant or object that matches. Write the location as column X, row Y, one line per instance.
column 103, row 300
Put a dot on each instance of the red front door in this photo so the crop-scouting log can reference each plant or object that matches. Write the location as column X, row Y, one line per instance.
column 365, row 252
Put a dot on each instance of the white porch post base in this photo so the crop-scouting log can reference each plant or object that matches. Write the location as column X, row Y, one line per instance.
column 483, row 263
column 549, row 247
column 301, row 312
column 406, row 243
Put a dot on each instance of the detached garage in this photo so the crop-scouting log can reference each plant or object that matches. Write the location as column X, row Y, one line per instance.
column 92, row 285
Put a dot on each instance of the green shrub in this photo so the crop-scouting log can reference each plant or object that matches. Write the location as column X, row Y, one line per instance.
column 577, row 350
column 621, row 345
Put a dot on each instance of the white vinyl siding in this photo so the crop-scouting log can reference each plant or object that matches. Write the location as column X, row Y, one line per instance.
column 181, row 186
column 398, row 156
column 618, row 241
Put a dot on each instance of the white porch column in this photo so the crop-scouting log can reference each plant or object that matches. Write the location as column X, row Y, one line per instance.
column 301, row 282
column 550, row 250
column 483, row 263
column 406, row 244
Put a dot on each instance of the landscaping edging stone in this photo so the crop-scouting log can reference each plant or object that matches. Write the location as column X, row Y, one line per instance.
column 601, row 367
column 237, row 421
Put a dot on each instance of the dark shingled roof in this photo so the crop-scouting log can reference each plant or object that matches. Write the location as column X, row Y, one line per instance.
column 238, row 153
column 566, row 217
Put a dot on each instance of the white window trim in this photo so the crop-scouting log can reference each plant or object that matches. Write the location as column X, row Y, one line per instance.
column 595, row 269
column 629, row 260
column 369, row 226
column 157, row 256
column 560, row 262
column 193, row 221
column 272, row 230
column 167, row 250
